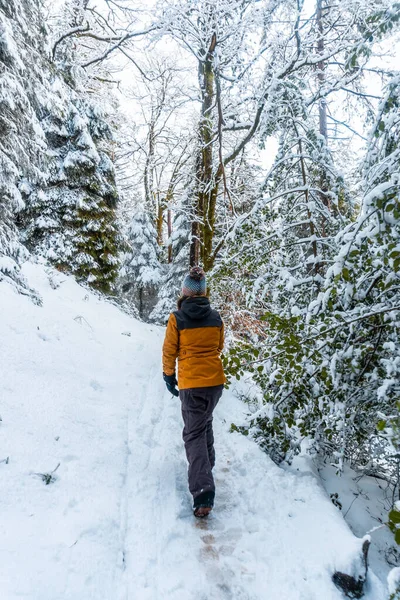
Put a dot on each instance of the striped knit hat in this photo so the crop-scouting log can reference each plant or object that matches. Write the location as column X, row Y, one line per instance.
column 194, row 283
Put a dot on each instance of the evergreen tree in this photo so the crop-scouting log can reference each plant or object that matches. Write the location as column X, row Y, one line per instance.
column 142, row 272
column 22, row 52
column 175, row 271
column 71, row 220
column 57, row 177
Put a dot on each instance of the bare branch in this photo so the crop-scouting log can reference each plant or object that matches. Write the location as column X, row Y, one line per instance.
column 347, row 127
column 118, row 45
column 73, row 31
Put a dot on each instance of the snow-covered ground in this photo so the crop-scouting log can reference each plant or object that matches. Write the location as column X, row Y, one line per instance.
column 365, row 503
column 81, row 387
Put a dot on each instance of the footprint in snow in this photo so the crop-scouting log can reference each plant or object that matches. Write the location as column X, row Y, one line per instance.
column 43, row 337
column 95, row 385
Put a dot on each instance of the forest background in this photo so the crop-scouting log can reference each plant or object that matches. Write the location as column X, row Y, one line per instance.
column 258, row 138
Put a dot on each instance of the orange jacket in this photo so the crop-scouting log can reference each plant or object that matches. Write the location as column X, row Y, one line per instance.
column 194, row 336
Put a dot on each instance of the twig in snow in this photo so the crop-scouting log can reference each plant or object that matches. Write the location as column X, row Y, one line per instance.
column 79, row 319
column 354, row 499
column 48, row 478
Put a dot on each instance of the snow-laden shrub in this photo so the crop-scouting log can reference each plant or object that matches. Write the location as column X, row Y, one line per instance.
column 329, row 360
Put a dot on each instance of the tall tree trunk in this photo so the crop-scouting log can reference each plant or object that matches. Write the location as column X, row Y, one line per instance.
column 311, row 225
column 207, row 188
column 208, row 233
column 169, row 225
column 323, row 127
column 323, row 121
column 148, row 169
column 160, row 218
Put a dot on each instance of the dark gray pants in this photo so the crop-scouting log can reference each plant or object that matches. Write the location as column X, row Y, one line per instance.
column 197, row 412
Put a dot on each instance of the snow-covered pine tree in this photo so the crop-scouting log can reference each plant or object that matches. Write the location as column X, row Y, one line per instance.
column 70, row 219
column 22, row 47
column 141, row 272
column 174, row 271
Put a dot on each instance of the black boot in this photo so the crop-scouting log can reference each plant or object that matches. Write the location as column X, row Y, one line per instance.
column 203, row 504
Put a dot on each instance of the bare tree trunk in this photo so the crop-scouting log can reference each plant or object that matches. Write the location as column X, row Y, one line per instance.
column 309, row 215
column 194, row 257
column 160, row 218
column 169, row 225
column 148, row 168
column 205, row 200
column 323, row 121
column 314, row 249
column 323, row 127
column 208, row 234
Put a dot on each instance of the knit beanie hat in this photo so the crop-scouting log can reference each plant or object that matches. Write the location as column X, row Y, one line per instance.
column 194, row 284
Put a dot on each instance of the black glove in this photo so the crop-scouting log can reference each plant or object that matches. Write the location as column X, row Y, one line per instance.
column 171, row 382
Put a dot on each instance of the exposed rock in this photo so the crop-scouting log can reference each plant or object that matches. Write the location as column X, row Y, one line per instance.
column 353, row 585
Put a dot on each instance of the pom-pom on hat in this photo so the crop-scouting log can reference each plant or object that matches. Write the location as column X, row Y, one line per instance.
column 194, row 283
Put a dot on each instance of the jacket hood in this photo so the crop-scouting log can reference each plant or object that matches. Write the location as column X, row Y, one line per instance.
column 197, row 307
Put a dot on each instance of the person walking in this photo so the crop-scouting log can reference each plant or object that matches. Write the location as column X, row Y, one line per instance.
column 195, row 336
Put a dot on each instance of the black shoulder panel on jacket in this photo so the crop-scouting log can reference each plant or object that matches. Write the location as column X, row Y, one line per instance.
column 183, row 321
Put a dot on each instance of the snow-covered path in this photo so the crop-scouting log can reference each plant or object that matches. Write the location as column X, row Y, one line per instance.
column 116, row 523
